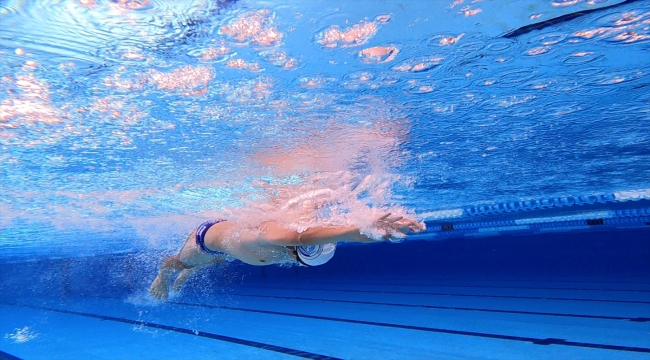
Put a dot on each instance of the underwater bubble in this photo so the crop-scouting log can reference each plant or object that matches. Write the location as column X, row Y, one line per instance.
column 445, row 40
column 500, row 45
column 365, row 79
column 279, row 59
column 335, row 36
column 212, row 53
column 589, row 72
column 629, row 36
column 618, row 18
column 378, row 54
column 582, row 57
column 511, row 76
column 563, row 107
column 362, row 76
column 419, row 88
column 469, row 47
column 547, row 39
column 315, row 82
column 256, row 27
column 539, row 84
column 562, row 3
column 418, row 65
column 242, row 64
column 538, row 51
column 618, row 77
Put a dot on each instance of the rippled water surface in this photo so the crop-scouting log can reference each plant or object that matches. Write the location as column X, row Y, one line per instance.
column 123, row 122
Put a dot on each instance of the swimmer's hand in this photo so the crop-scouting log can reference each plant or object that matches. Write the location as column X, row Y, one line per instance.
column 397, row 226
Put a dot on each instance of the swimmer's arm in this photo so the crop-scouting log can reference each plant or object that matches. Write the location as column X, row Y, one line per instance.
column 277, row 234
column 326, row 235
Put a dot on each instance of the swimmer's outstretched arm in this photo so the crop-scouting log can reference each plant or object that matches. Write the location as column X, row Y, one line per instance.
column 277, row 234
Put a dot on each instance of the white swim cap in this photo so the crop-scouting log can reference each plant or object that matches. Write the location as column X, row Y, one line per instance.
column 315, row 255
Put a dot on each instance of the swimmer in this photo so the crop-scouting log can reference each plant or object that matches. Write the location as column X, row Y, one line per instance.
column 269, row 243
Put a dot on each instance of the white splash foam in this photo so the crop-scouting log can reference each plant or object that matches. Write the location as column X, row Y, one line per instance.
column 22, row 335
column 142, row 298
column 326, row 199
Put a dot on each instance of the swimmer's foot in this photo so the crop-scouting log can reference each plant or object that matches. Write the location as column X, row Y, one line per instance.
column 160, row 287
column 182, row 278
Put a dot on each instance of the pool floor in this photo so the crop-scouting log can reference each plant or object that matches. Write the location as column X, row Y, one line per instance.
column 366, row 318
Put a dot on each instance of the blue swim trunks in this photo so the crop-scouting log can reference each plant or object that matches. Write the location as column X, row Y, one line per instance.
column 200, row 236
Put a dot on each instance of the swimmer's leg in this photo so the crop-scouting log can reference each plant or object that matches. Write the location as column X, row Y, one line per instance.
column 160, row 285
column 189, row 259
column 182, row 278
column 186, row 273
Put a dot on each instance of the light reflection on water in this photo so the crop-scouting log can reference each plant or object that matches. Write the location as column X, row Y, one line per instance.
column 141, row 117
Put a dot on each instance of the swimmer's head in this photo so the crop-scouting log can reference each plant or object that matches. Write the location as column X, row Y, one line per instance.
column 315, row 255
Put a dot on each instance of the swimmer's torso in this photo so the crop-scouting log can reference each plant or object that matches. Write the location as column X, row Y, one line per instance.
column 243, row 244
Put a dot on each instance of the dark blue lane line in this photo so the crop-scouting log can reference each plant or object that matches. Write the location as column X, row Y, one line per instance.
column 463, row 295
column 536, row 341
column 523, row 280
column 502, row 287
column 255, row 344
column 560, row 19
column 5, row 356
column 568, row 281
column 600, row 317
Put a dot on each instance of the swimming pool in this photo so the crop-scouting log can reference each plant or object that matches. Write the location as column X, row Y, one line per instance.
column 516, row 132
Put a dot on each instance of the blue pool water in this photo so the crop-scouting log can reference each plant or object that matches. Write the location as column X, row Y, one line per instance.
column 516, row 131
